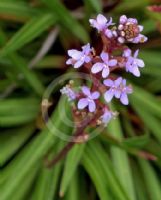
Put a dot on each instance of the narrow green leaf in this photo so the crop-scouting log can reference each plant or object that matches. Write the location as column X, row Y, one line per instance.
column 51, row 62
column 71, row 164
column 96, row 5
column 141, row 189
column 151, row 180
column 17, row 137
column 19, row 9
column 26, row 185
column 151, row 122
column 94, row 150
column 147, row 100
column 120, row 160
column 73, row 192
column 137, row 142
column 28, row 32
column 47, row 180
column 96, row 176
column 33, row 153
column 67, row 20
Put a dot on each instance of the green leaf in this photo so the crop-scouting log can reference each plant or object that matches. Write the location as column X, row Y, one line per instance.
column 147, row 100
column 20, row 10
column 71, row 164
column 15, row 112
column 51, row 62
column 73, row 192
column 26, row 185
column 47, row 180
column 151, row 180
column 97, row 5
column 17, row 138
column 28, row 32
column 33, row 154
column 151, row 122
column 96, row 176
column 67, row 20
column 99, row 160
column 120, row 160
column 136, row 142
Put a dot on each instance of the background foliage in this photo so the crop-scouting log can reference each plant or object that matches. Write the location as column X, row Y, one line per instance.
column 124, row 162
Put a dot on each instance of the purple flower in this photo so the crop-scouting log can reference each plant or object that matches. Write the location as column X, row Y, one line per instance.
column 129, row 30
column 103, row 66
column 100, row 23
column 133, row 63
column 78, row 58
column 118, row 89
column 107, row 116
column 88, row 100
column 69, row 93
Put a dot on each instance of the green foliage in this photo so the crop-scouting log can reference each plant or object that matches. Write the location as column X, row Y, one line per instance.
column 121, row 163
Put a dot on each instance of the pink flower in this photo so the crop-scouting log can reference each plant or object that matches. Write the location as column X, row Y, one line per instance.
column 117, row 89
column 100, row 23
column 129, row 31
column 133, row 63
column 78, row 58
column 88, row 101
column 103, row 66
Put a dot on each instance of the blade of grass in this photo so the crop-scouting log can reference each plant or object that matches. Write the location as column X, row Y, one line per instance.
column 73, row 192
column 71, row 164
column 22, row 67
column 151, row 122
column 120, row 160
column 28, row 32
column 47, row 181
column 147, row 100
column 20, row 10
column 34, row 153
column 67, row 20
column 17, row 138
column 96, row 5
column 151, row 180
column 94, row 150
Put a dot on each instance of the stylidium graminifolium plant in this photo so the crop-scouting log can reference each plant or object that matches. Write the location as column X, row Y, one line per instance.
column 115, row 55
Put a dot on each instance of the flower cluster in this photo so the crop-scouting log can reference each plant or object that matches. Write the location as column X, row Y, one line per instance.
column 100, row 66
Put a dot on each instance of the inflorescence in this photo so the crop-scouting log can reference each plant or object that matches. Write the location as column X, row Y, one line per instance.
column 115, row 55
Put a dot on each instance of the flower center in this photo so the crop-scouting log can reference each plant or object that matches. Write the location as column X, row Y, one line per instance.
column 130, row 31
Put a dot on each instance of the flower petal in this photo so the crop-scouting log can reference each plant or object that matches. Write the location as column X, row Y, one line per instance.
column 95, row 95
column 124, row 99
column 101, row 19
column 136, row 53
column 86, row 90
column 86, row 49
column 123, row 19
column 92, row 106
column 87, row 59
column 97, row 67
column 140, row 62
column 112, row 62
column 140, row 28
column 75, row 54
column 78, row 64
column 105, row 72
column 136, row 71
column 127, row 53
column 118, row 81
column 117, row 94
column 108, row 82
column 82, row 103
column 108, row 95
column 69, row 61
column 104, row 56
